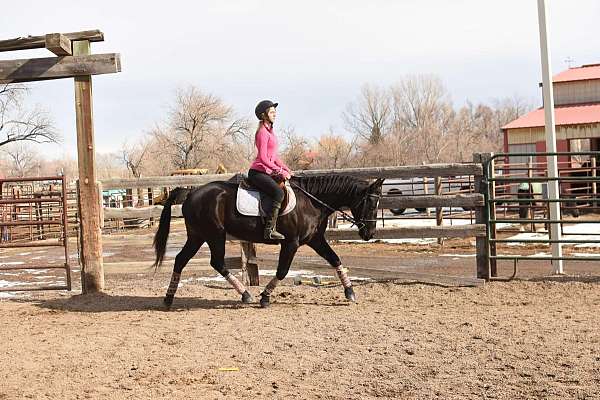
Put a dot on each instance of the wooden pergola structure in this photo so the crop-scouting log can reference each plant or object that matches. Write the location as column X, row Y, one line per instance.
column 73, row 59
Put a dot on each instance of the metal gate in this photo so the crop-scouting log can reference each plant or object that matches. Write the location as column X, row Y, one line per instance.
column 33, row 214
column 513, row 196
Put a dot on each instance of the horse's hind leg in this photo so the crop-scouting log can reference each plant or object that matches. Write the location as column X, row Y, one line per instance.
column 187, row 252
column 217, row 261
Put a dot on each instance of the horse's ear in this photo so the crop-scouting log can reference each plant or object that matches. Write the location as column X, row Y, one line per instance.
column 377, row 183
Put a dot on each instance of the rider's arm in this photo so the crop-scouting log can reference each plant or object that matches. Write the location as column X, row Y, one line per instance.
column 262, row 141
column 281, row 164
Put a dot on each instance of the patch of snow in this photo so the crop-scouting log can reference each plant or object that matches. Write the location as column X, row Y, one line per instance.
column 575, row 232
column 585, row 254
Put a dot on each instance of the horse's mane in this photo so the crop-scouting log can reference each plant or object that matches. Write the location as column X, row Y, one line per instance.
column 343, row 185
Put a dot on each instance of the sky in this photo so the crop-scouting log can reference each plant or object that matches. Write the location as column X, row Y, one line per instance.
column 312, row 57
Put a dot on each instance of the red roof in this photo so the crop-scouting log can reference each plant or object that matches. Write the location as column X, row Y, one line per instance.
column 564, row 115
column 585, row 72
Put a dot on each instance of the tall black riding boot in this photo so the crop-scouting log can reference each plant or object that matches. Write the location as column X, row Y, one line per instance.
column 271, row 223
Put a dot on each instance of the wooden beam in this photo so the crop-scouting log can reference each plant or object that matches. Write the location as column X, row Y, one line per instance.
column 139, row 212
column 451, row 200
column 59, row 44
column 408, row 171
column 92, row 270
column 39, row 42
column 37, row 69
column 462, row 231
column 163, row 181
column 471, row 200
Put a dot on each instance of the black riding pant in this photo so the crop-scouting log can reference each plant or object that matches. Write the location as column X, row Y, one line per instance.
column 266, row 184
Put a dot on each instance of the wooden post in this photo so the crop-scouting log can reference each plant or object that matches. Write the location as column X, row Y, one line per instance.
column 439, row 212
column 249, row 264
column 332, row 221
column 92, row 270
column 594, row 187
column 482, row 244
column 426, row 191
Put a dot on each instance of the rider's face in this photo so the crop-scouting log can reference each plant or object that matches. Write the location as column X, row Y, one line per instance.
column 271, row 114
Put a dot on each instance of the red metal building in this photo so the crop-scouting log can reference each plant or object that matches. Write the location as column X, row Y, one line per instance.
column 577, row 114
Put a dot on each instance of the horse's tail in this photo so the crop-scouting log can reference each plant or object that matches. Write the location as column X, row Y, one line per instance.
column 164, row 226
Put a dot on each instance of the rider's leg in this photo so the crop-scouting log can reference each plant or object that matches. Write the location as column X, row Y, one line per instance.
column 268, row 185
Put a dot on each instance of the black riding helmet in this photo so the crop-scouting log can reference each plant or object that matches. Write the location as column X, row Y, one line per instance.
column 263, row 106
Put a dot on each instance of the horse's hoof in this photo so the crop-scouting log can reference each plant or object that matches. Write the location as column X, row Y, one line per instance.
column 349, row 292
column 265, row 301
column 168, row 301
column 247, row 297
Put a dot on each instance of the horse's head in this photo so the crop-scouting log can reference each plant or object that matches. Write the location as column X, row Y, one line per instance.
column 365, row 211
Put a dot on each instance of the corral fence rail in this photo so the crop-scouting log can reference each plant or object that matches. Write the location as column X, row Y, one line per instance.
column 523, row 189
column 33, row 214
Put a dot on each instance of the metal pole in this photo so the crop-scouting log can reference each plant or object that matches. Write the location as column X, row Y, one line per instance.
column 553, row 192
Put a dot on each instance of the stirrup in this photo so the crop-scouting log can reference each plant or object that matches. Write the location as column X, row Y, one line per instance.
column 272, row 234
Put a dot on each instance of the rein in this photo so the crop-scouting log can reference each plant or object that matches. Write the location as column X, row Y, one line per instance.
column 359, row 223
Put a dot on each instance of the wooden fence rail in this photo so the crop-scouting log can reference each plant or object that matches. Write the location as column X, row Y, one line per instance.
column 433, row 170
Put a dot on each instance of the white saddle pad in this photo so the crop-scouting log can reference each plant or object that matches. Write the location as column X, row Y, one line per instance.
column 247, row 201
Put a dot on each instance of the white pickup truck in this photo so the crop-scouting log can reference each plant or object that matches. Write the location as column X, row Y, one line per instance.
column 418, row 187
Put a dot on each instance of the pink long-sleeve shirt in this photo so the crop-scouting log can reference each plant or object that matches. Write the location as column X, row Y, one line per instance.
column 267, row 159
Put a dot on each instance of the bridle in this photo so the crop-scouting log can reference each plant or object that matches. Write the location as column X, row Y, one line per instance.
column 360, row 223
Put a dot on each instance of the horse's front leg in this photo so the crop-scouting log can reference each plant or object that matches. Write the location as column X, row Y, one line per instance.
column 320, row 245
column 286, row 255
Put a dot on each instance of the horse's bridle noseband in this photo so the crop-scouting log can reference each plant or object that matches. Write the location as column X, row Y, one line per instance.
column 363, row 202
column 360, row 223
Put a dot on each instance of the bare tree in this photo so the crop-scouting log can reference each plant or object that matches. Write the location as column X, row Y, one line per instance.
column 64, row 166
column 333, row 151
column 197, row 123
column 423, row 116
column 510, row 108
column 20, row 123
column 109, row 165
column 370, row 116
column 294, row 149
column 134, row 156
column 420, row 101
column 22, row 160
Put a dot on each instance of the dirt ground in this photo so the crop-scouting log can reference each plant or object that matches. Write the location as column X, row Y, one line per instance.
column 535, row 337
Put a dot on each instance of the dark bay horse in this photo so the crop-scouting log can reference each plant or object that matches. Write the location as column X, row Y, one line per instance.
column 210, row 213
